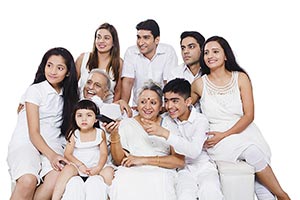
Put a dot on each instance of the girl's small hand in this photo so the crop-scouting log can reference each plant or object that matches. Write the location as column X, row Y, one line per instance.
column 94, row 171
column 83, row 169
column 213, row 138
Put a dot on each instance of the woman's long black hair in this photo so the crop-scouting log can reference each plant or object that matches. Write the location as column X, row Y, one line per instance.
column 69, row 84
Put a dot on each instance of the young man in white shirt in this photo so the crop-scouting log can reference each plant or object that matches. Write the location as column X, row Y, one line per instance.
column 191, row 43
column 147, row 60
column 199, row 178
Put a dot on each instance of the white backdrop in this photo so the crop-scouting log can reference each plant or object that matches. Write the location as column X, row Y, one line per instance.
column 263, row 34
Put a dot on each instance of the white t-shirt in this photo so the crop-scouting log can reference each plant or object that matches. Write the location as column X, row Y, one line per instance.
column 137, row 66
column 50, row 112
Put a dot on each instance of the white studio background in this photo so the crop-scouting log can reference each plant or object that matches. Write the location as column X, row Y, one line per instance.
column 263, row 34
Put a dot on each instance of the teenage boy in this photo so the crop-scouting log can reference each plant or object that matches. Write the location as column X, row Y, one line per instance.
column 199, row 178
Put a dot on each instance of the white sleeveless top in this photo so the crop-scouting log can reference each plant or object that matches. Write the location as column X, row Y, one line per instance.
column 84, row 74
column 222, row 105
column 88, row 152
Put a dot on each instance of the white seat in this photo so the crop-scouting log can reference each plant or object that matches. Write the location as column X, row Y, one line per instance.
column 237, row 180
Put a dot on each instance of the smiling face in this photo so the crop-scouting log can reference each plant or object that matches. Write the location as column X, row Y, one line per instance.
column 214, row 56
column 96, row 85
column 55, row 71
column 85, row 119
column 147, row 43
column 149, row 105
column 103, row 41
column 177, row 106
column 190, row 51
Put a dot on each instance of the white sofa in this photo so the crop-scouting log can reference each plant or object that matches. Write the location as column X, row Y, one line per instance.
column 237, row 180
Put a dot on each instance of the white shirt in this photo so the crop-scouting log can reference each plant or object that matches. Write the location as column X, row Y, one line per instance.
column 50, row 112
column 182, row 71
column 137, row 66
column 191, row 138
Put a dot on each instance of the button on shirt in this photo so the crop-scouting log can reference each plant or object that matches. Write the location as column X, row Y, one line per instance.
column 137, row 66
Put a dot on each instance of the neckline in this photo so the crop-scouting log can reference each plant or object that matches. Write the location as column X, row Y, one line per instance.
column 227, row 85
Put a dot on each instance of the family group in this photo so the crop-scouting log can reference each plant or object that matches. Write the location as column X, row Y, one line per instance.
column 142, row 127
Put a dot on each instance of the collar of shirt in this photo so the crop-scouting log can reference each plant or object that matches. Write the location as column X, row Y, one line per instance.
column 159, row 50
column 187, row 69
column 191, row 118
column 50, row 89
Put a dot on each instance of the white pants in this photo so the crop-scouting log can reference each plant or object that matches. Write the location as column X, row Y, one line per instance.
column 199, row 181
column 93, row 188
column 255, row 158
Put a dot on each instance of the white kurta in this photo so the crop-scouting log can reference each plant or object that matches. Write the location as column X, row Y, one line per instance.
column 142, row 182
column 223, row 108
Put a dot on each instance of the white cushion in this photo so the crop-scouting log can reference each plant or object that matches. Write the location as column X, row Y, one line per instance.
column 237, row 180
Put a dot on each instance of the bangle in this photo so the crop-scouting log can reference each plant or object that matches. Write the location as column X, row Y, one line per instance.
column 116, row 140
column 157, row 160
column 81, row 164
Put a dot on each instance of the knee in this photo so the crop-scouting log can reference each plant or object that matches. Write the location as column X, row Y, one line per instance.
column 28, row 181
column 107, row 173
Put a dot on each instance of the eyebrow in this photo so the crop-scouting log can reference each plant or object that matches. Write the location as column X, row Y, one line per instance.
column 171, row 99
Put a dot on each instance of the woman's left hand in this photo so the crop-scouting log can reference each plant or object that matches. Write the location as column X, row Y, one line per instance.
column 212, row 141
column 131, row 160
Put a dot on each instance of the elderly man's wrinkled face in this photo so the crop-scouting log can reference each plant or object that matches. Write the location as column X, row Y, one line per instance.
column 96, row 85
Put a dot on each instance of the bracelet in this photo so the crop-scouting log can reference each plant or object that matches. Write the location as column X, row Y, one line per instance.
column 157, row 160
column 116, row 140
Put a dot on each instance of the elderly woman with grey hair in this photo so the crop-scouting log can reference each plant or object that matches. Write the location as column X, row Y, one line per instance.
column 146, row 163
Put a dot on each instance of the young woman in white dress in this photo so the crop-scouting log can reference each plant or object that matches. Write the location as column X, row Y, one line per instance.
column 226, row 98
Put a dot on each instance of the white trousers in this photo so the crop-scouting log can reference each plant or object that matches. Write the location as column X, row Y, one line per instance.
column 93, row 188
column 199, row 181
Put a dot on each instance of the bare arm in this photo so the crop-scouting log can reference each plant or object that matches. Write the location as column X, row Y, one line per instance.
column 248, row 105
column 127, row 84
column 118, row 87
column 171, row 161
column 196, row 90
column 248, row 109
column 32, row 113
column 69, row 152
column 78, row 63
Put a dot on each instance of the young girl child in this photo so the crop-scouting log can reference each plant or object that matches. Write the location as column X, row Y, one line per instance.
column 35, row 148
column 86, row 148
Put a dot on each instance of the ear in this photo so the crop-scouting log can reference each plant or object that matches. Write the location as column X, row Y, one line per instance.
column 68, row 74
column 189, row 101
column 156, row 40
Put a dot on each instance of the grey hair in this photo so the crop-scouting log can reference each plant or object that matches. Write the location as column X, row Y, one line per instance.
column 155, row 87
column 100, row 71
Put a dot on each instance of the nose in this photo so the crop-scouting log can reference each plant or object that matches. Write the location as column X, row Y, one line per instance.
column 148, row 105
column 140, row 41
column 53, row 70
